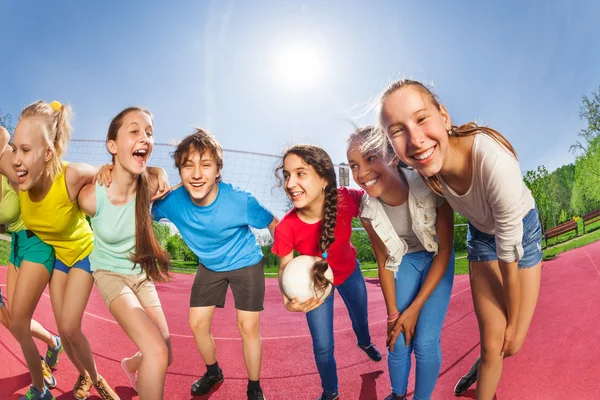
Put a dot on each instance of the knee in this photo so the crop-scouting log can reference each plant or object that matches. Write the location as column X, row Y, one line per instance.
column 198, row 325
column 159, row 354
column 427, row 349
column 70, row 333
column 490, row 350
column 20, row 327
column 248, row 329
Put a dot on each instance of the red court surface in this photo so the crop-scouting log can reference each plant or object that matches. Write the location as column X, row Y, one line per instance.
column 559, row 359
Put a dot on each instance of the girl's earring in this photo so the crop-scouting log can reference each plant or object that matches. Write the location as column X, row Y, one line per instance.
column 323, row 188
column 449, row 131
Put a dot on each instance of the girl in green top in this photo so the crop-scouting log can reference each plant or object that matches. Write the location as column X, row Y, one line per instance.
column 127, row 257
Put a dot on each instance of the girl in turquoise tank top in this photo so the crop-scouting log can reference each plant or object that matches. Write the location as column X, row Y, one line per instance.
column 127, row 257
column 40, row 141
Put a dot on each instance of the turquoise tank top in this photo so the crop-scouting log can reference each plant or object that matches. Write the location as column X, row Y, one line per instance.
column 114, row 235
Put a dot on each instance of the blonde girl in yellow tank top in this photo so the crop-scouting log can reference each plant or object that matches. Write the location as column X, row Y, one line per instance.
column 48, row 194
column 26, row 249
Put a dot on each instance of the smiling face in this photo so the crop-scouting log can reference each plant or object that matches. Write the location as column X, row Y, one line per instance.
column 303, row 186
column 133, row 143
column 30, row 152
column 417, row 129
column 372, row 172
column 199, row 173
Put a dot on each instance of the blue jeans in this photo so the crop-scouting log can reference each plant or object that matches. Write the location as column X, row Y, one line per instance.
column 320, row 323
column 409, row 278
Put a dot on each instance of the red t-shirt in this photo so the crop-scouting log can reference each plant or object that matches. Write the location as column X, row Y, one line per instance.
column 291, row 233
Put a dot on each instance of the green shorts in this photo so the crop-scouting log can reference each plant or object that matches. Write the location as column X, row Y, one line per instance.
column 27, row 246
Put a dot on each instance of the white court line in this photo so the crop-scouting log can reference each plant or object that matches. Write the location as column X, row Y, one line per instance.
column 238, row 338
column 592, row 260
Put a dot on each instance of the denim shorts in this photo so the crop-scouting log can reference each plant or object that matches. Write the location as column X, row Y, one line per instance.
column 482, row 246
column 81, row 264
column 1, row 299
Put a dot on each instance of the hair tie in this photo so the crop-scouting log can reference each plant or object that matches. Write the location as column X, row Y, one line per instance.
column 56, row 106
column 324, row 255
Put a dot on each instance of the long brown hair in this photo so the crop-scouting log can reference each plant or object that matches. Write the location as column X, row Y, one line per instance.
column 320, row 161
column 456, row 131
column 148, row 253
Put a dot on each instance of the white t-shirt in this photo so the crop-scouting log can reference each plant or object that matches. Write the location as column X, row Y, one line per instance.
column 400, row 218
column 498, row 199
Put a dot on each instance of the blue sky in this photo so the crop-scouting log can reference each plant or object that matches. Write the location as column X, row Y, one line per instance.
column 519, row 66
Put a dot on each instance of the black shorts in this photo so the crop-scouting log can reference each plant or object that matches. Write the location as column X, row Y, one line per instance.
column 247, row 286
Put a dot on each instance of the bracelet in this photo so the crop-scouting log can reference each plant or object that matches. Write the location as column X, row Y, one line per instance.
column 393, row 319
column 390, row 317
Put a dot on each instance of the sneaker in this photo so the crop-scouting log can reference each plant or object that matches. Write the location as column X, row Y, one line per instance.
column 81, row 390
column 467, row 380
column 132, row 376
column 34, row 394
column 395, row 396
column 371, row 351
column 256, row 394
column 52, row 353
column 104, row 390
column 203, row 385
column 49, row 378
column 329, row 396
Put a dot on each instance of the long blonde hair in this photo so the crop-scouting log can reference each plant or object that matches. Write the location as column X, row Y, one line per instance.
column 378, row 137
column 55, row 125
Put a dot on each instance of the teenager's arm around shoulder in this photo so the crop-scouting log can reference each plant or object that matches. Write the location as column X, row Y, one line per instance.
column 76, row 176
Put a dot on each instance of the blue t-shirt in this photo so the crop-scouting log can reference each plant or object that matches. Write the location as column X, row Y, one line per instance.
column 219, row 234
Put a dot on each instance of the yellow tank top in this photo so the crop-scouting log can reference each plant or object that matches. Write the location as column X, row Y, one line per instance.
column 59, row 222
column 10, row 210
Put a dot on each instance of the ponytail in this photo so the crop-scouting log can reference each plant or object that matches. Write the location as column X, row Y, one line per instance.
column 151, row 257
column 327, row 237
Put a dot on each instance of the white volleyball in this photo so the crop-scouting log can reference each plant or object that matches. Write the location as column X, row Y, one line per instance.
column 297, row 279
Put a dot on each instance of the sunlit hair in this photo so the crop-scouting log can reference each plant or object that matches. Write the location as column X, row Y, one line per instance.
column 55, row 126
column 200, row 141
column 148, row 253
column 320, row 161
column 378, row 137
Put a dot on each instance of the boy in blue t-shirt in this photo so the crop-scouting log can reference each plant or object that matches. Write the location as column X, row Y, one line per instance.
column 214, row 220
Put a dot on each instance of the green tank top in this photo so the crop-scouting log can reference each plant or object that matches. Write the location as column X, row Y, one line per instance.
column 10, row 209
column 114, row 235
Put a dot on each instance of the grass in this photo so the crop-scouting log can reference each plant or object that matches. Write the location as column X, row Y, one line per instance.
column 370, row 268
column 4, row 252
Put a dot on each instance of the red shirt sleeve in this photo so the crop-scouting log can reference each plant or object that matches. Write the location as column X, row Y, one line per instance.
column 283, row 242
column 351, row 200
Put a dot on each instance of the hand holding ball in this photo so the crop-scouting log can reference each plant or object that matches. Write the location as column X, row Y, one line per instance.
column 297, row 280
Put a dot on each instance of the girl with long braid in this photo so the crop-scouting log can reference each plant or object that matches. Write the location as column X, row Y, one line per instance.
column 320, row 224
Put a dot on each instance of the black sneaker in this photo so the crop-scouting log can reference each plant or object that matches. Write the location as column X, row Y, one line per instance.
column 203, row 385
column 395, row 396
column 371, row 351
column 255, row 394
column 329, row 396
column 467, row 380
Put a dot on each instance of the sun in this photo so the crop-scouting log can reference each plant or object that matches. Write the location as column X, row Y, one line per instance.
column 298, row 65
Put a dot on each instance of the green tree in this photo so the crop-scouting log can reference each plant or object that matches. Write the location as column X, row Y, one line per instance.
column 6, row 121
column 586, row 188
column 540, row 184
